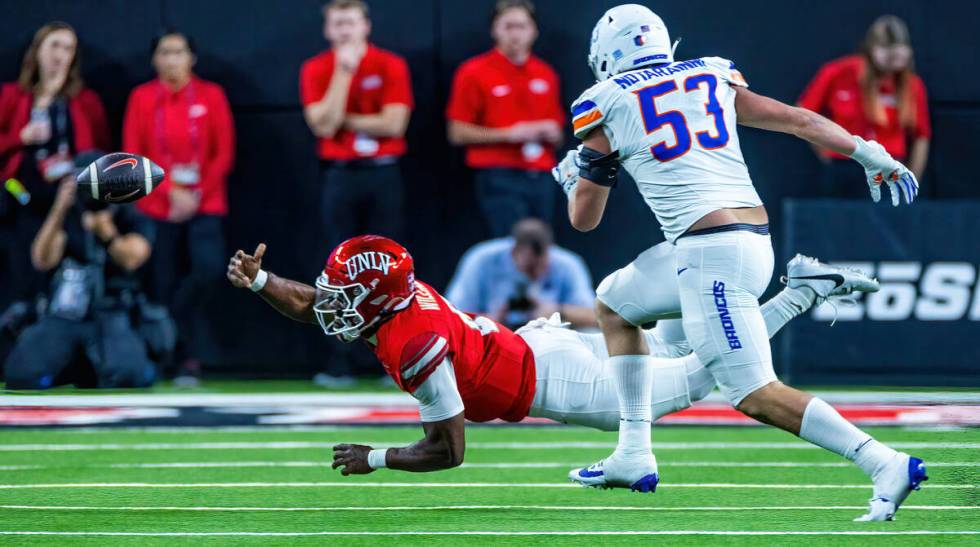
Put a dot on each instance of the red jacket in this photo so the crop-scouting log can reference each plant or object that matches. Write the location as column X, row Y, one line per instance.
column 160, row 125
column 91, row 132
column 835, row 91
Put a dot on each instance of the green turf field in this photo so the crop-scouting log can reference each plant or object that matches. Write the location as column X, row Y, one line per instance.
column 713, row 479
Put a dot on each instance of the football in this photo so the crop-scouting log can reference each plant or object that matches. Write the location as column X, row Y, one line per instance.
column 120, row 178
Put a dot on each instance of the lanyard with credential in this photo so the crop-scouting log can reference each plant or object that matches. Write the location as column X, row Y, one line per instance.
column 193, row 129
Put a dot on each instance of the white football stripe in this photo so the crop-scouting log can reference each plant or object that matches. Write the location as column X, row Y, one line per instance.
column 93, row 175
column 484, row 465
column 357, row 484
column 508, row 533
column 557, row 445
column 411, row 508
column 438, row 347
column 147, row 176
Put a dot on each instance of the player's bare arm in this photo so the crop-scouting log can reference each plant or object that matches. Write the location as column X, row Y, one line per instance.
column 762, row 112
column 291, row 298
column 442, row 448
column 588, row 201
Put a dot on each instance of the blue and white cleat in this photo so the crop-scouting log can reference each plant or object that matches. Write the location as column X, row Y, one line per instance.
column 893, row 484
column 637, row 475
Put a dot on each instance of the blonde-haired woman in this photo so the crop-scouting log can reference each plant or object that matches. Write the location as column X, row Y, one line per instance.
column 47, row 117
column 877, row 95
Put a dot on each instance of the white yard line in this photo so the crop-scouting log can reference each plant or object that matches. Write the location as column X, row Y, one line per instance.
column 282, row 445
column 485, row 508
column 487, row 465
column 507, row 533
column 353, row 484
column 402, row 399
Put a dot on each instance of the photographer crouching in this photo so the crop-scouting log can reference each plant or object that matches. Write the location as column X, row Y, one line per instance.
column 94, row 250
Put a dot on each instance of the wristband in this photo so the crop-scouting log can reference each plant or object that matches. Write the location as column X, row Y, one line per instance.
column 598, row 167
column 377, row 459
column 260, row 280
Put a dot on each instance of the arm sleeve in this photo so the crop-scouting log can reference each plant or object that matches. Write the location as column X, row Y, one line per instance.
column 923, row 127
column 727, row 71
column 398, row 88
column 223, row 151
column 814, row 96
column 465, row 101
column 464, row 288
column 97, row 117
column 580, row 291
column 9, row 135
column 590, row 110
column 420, row 356
column 312, row 85
column 132, row 133
column 438, row 396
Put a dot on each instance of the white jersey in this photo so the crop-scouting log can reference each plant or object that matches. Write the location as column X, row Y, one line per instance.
column 674, row 128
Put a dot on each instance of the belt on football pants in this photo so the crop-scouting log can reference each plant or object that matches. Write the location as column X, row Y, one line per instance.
column 761, row 229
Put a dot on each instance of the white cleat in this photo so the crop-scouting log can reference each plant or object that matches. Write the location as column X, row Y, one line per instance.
column 893, row 484
column 638, row 474
column 827, row 281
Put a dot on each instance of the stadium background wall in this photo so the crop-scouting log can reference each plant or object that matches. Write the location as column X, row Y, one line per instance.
column 254, row 48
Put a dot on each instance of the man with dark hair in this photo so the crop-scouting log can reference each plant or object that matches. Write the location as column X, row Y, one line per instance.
column 515, row 279
column 357, row 99
column 505, row 108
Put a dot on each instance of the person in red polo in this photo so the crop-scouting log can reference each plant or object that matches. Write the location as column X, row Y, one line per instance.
column 877, row 95
column 47, row 118
column 505, row 108
column 184, row 124
column 357, row 100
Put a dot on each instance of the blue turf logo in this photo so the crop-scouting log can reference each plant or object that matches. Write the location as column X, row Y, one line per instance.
column 721, row 302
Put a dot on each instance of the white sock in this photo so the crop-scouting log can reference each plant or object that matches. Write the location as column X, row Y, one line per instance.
column 782, row 308
column 633, row 378
column 824, row 427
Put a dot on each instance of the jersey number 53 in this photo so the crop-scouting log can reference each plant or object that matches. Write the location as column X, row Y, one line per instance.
column 654, row 120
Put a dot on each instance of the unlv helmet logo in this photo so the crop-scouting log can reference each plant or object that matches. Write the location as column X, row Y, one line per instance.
column 370, row 260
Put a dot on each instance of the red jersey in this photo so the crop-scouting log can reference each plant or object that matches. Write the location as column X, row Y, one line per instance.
column 190, row 126
column 381, row 79
column 494, row 367
column 836, row 92
column 490, row 91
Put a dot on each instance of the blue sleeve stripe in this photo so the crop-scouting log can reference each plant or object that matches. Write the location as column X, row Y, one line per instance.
column 582, row 108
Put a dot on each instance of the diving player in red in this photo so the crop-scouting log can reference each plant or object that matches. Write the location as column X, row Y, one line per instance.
column 462, row 366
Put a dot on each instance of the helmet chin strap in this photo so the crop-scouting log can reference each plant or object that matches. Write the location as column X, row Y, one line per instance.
column 673, row 48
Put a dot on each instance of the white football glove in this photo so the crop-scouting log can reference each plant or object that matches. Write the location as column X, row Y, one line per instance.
column 880, row 167
column 566, row 172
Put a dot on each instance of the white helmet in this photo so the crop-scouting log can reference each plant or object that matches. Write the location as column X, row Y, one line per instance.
column 628, row 37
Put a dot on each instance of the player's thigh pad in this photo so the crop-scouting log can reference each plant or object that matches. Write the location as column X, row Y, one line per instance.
column 646, row 289
column 726, row 273
column 571, row 387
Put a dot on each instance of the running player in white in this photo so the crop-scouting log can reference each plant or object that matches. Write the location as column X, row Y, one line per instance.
column 672, row 126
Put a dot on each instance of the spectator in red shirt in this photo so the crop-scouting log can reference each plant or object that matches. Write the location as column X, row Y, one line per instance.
column 505, row 108
column 877, row 95
column 185, row 125
column 47, row 117
column 357, row 100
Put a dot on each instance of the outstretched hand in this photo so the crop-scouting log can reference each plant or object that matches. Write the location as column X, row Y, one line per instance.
column 242, row 268
column 353, row 458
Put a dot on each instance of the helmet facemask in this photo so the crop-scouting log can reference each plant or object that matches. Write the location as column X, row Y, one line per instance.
column 335, row 307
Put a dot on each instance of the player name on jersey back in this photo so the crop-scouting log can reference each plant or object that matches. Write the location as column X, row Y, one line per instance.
column 674, row 126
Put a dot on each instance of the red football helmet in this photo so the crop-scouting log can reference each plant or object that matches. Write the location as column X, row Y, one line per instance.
column 366, row 279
